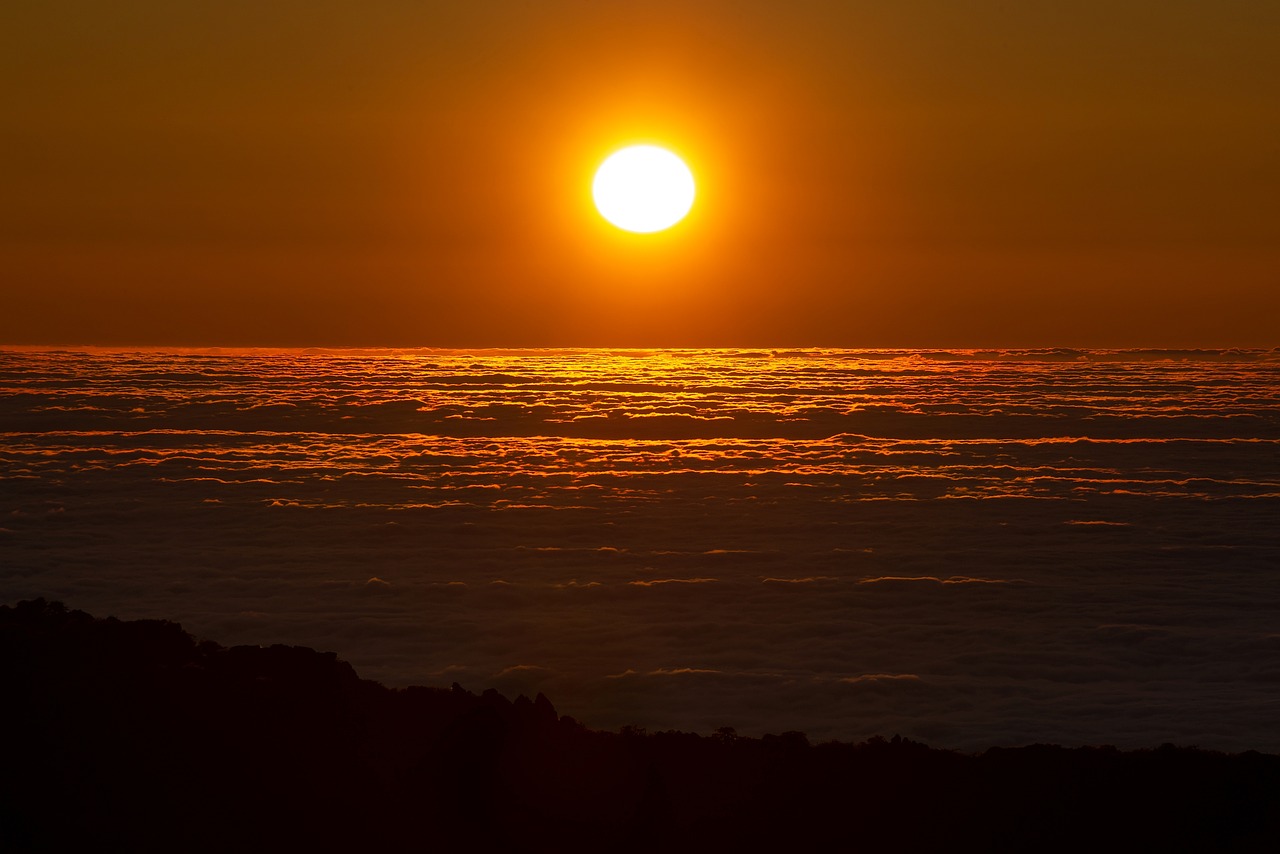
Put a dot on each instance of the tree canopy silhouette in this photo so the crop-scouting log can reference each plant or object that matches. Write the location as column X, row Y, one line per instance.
column 134, row 736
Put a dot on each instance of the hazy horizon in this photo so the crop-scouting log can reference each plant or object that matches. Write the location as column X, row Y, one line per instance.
column 760, row 349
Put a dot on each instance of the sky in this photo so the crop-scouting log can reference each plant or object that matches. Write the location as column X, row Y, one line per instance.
column 913, row 173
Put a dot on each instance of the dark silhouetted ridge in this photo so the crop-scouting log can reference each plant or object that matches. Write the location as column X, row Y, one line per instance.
column 132, row 736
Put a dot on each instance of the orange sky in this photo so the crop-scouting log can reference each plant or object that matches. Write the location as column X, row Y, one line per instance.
column 915, row 173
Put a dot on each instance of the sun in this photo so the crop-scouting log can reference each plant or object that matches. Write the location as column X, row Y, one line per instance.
column 643, row 188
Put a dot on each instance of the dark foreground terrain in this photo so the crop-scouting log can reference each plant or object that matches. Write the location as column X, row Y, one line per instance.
column 132, row 736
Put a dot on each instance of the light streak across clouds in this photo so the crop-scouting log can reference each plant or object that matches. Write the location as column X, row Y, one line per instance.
column 966, row 548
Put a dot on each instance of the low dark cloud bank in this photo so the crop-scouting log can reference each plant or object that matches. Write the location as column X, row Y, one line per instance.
column 133, row 736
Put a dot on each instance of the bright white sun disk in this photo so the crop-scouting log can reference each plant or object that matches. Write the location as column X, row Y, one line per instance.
column 643, row 189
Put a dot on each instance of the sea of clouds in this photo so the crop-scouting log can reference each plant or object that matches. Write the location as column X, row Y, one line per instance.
column 968, row 549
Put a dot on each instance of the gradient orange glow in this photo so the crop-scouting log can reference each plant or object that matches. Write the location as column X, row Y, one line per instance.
column 411, row 174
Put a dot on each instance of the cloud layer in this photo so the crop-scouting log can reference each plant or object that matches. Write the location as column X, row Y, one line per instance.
column 964, row 548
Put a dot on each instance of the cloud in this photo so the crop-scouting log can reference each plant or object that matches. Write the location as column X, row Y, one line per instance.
column 655, row 582
column 520, row 668
column 623, row 675
column 681, row 671
column 1053, row 566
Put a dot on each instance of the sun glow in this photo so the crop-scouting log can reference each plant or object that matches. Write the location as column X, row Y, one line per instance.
column 643, row 189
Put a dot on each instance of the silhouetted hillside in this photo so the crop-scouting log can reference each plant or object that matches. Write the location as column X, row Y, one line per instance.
column 133, row 736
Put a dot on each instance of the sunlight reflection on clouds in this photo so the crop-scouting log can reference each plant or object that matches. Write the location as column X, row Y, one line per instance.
column 966, row 548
